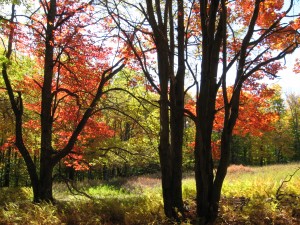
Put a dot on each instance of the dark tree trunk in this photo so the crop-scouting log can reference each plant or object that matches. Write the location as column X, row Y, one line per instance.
column 125, row 135
column 46, row 165
column 176, row 146
column 204, row 174
column 31, row 167
column 177, row 111
column 172, row 125
column 17, row 106
column 105, row 174
column 164, row 144
column 221, row 171
column 46, row 180
column 71, row 173
column 16, row 171
column 212, row 31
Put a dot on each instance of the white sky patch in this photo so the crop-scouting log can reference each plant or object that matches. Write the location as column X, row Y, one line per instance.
column 289, row 80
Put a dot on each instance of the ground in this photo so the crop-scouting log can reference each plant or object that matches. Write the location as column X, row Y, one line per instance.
column 250, row 196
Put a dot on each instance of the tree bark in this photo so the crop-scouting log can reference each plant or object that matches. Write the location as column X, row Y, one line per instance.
column 164, row 144
column 46, row 180
column 205, row 109
column 171, row 126
column 177, row 110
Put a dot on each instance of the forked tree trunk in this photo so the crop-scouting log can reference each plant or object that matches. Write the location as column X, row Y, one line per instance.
column 171, row 129
column 177, row 108
column 208, row 186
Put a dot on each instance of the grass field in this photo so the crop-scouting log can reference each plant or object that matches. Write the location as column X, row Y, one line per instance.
column 249, row 197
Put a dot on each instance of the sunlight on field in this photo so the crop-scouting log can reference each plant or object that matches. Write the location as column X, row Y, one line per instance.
column 249, row 196
column 260, row 181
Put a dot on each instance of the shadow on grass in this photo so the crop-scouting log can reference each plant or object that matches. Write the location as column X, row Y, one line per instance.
column 259, row 210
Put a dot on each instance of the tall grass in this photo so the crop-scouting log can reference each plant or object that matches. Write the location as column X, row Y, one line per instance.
column 261, row 181
column 249, row 197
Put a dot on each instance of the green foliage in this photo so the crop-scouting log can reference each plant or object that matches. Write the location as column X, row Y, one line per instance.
column 16, row 2
column 132, row 113
column 106, row 191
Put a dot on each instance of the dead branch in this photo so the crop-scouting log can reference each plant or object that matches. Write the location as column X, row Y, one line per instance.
column 279, row 194
column 72, row 187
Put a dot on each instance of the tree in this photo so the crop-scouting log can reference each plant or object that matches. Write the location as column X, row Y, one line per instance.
column 209, row 30
column 293, row 102
column 250, row 49
column 11, row 159
column 130, row 109
column 6, row 128
column 75, row 70
column 156, row 30
column 255, row 117
column 261, row 134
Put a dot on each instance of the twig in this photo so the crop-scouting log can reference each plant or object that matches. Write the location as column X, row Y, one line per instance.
column 71, row 186
column 286, row 180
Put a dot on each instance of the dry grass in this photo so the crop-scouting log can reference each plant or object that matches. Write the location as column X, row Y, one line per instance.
column 239, row 169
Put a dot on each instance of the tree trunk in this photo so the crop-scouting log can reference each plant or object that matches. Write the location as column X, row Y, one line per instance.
column 221, row 172
column 31, row 167
column 46, row 166
column 177, row 140
column 165, row 156
column 177, row 109
column 204, row 178
column 71, row 173
column 46, row 180
column 177, row 122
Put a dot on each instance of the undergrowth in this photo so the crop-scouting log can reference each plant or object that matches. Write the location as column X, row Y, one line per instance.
column 249, row 197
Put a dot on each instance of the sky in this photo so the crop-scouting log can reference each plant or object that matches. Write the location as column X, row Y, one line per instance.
column 288, row 80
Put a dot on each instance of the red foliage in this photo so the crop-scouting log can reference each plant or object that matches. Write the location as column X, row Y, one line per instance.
column 80, row 60
column 9, row 142
column 255, row 116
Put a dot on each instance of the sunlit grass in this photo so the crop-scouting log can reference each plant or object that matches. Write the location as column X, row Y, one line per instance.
column 248, row 197
column 261, row 181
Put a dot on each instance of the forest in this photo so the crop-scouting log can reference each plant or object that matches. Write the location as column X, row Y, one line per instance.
column 149, row 112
